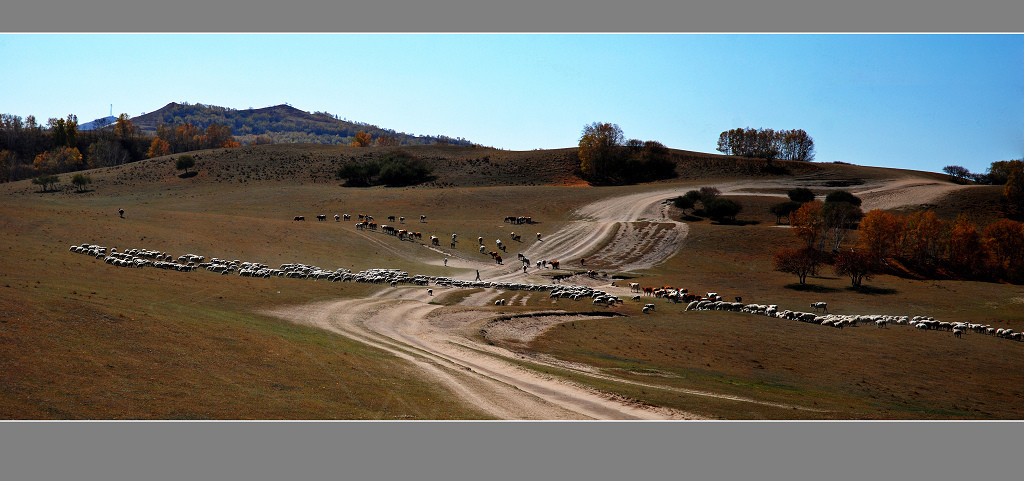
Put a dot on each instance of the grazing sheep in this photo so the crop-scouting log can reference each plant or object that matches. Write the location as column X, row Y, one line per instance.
column 957, row 333
column 646, row 309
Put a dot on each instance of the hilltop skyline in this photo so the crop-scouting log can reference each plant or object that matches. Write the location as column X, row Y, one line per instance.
column 907, row 101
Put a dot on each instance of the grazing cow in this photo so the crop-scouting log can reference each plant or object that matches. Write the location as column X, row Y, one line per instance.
column 300, row 217
column 498, row 260
column 554, row 264
column 435, row 241
column 391, row 218
column 401, row 220
column 346, row 217
column 648, row 291
column 423, row 218
column 430, row 292
column 517, row 238
column 337, row 218
column 634, row 287
column 538, row 236
column 482, row 248
column 120, row 212
column 321, row 217
column 480, row 240
column 820, row 305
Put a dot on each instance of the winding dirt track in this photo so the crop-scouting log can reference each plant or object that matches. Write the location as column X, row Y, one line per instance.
column 630, row 232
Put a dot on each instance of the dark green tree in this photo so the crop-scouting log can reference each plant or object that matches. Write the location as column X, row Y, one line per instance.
column 184, row 162
column 801, row 195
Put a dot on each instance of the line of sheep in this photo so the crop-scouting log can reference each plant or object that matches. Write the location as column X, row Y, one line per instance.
column 840, row 321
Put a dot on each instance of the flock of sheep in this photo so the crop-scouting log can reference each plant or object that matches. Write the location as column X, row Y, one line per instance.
column 840, row 321
column 138, row 258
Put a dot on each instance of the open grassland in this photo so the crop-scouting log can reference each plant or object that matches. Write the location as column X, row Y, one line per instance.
column 80, row 339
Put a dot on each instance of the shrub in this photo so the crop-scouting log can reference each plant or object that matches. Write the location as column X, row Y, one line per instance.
column 722, row 209
column 801, row 195
column 842, row 196
column 784, row 209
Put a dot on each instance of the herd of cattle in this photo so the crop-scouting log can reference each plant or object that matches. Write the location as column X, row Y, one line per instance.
column 139, row 258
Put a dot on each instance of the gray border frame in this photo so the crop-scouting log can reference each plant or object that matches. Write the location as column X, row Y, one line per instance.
column 510, row 450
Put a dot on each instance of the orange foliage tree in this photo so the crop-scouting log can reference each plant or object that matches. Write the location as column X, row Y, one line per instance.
column 1004, row 240
column 855, row 265
column 800, row 262
column 965, row 249
column 881, row 235
column 158, row 148
column 808, row 224
column 926, row 236
column 362, row 139
column 59, row 160
column 387, row 141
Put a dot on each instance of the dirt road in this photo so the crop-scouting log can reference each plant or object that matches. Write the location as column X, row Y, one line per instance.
column 631, row 232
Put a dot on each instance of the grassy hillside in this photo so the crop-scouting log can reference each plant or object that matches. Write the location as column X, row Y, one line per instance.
column 80, row 339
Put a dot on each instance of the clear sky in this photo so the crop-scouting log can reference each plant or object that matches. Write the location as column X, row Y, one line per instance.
column 909, row 101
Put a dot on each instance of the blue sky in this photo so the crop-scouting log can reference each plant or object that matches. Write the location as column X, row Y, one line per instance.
column 909, row 101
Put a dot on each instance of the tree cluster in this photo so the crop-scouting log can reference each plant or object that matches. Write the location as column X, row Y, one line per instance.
column 283, row 124
column 924, row 241
column 767, row 144
column 607, row 159
column 998, row 173
column 27, row 149
column 394, row 169
column 188, row 137
column 711, row 204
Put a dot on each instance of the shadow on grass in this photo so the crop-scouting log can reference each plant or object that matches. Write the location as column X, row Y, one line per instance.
column 796, row 286
column 187, row 175
column 691, row 218
column 874, row 291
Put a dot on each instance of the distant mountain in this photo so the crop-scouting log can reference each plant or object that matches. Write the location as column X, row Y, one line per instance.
column 98, row 123
column 280, row 123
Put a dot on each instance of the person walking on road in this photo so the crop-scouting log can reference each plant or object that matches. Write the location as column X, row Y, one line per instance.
column 478, row 274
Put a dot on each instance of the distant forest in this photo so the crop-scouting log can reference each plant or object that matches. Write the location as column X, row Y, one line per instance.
column 30, row 149
column 282, row 124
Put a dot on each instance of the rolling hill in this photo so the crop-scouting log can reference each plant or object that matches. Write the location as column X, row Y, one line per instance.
column 281, row 123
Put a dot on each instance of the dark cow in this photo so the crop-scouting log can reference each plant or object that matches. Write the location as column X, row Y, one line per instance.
column 300, row 217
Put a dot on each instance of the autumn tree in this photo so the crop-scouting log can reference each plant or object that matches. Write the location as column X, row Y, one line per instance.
column 81, row 180
column 855, row 265
column 800, row 262
column 124, row 128
column 158, row 148
column 59, row 160
column 807, row 223
column 881, row 235
column 599, row 144
column 361, row 139
column 1013, row 191
column 965, row 249
column 767, row 144
column 387, row 141
column 1004, row 240
column 7, row 165
column 184, row 162
column 925, row 236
